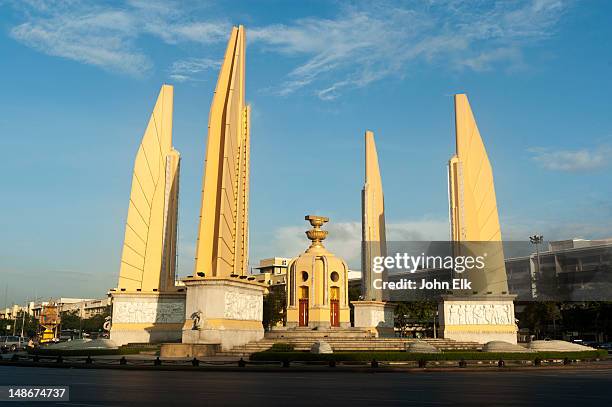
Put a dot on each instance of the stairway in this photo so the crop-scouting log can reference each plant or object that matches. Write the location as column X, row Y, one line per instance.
column 348, row 344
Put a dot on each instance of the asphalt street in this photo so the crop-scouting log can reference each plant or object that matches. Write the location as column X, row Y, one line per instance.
column 557, row 387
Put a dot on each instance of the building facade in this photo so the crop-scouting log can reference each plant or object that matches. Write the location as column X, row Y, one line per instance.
column 570, row 270
column 272, row 271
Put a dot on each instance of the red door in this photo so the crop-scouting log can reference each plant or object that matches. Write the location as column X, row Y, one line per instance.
column 303, row 312
column 334, row 311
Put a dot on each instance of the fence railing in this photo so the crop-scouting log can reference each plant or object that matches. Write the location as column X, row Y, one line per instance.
column 195, row 363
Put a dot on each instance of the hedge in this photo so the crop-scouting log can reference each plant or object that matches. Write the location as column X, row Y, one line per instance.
column 282, row 347
column 407, row 356
column 124, row 350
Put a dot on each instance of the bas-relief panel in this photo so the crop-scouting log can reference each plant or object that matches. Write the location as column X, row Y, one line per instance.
column 243, row 306
column 148, row 312
column 479, row 314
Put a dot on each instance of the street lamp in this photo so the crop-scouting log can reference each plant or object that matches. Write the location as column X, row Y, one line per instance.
column 537, row 241
column 435, row 335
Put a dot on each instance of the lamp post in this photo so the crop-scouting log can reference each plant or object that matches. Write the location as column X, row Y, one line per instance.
column 435, row 334
column 23, row 319
column 81, row 320
column 537, row 241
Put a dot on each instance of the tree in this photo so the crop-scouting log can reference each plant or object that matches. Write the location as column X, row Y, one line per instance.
column 591, row 317
column 95, row 323
column 354, row 292
column 30, row 325
column 4, row 324
column 538, row 316
column 402, row 318
column 70, row 320
column 414, row 312
column 274, row 306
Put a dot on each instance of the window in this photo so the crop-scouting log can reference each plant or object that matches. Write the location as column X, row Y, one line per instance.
column 304, row 275
column 334, row 276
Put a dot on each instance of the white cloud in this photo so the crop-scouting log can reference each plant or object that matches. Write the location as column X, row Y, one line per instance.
column 103, row 39
column 360, row 45
column 106, row 36
column 203, row 32
column 367, row 44
column 485, row 60
column 417, row 230
column 344, row 238
column 572, row 160
column 179, row 78
column 519, row 229
column 188, row 69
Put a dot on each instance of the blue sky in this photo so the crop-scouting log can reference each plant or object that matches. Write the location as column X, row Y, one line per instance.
column 79, row 82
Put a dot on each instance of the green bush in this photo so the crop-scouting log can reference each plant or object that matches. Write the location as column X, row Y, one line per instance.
column 123, row 350
column 272, row 355
column 282, row 347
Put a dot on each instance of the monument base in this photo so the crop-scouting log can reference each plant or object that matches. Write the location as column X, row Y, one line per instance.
column 151, row 317
column 224, row 311
column 478, row 318
column 375, row 316
column 188, row 350
column 298, row 333
column 319, row 318
column 322, row 325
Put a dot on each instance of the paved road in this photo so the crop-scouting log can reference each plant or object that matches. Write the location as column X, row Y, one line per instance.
column 180, row 388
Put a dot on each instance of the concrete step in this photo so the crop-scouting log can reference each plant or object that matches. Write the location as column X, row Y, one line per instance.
column 341, row 340
column 377, row 340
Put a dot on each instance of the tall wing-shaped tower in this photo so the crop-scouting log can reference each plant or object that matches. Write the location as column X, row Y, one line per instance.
column 473, row 207
column 148, row 261
column 373, row 219
column 229, row 309
column 222, row 245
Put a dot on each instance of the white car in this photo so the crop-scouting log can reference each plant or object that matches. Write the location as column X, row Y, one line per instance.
column 13, row 343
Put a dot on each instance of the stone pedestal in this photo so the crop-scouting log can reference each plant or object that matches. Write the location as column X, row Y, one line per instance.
column 147, row 317
column 188, row 350
column 478, row 318
column 288, row 333
column 375, row 316
column 224, row 311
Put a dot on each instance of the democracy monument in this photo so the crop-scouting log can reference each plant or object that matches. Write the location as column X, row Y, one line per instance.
column 220, row 306
column 147, row 306
column 226, row 306
column 317, row 285
column 371, row 312
column 486, row 313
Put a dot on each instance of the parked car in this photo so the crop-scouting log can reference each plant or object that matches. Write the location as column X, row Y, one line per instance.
column 592, row 344
column 13, row 343
column 68, row 335
column 605, row 345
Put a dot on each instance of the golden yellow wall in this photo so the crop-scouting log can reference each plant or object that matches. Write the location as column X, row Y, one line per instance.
column 222, row 245
column 373, row 219
column 149, row 248
column 473, row 205
column 319, row 264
